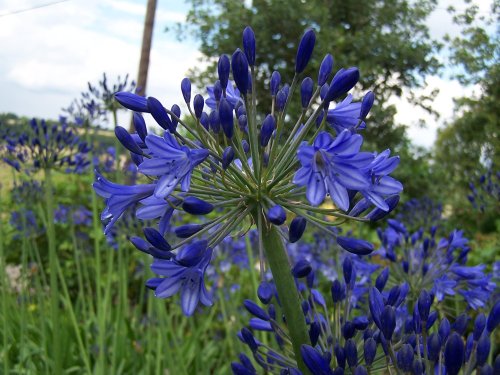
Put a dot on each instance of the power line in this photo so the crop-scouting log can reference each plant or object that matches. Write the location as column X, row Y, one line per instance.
column 32, row 8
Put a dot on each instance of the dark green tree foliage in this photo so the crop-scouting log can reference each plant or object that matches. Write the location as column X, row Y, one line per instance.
column 469, row 146
column 387, row 40
column 471, row 142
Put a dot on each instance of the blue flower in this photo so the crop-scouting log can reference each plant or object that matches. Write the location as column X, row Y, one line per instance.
column 154, row 208
column 184, row 273
column 45, row 146
column 443, row 285
column 345, row 116
column 332, row 165
column 315, row 361
column 475, row 298
column 119, row 198
column 232, row 95
column 382, row 185
column 172, row 162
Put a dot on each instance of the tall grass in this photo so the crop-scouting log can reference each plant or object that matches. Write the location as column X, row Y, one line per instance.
column 80, row 307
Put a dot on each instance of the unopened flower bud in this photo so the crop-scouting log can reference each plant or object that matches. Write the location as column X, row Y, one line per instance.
column 355, row 246
column 344, row 80
column 454, row 354
column 370, row 351
column 227, row 157
column 297, row 228
column 388, row 322
column 196, row 206
column 126, row 140
column 214, row 121
column 239, row 65
column 305, row 50
column 223, row 68
column 301, row 269
column 198, row 103
column 132, row 101
column 265, row 292
column 276, row 215
column 140, row 125
column 186, row 90
column 306, row 91
column 159, row 113
column 325, row 69
column 217, row 91
column 226, row 117
column 249, row 45
column 366, row 104
column 267, row 130
column 275, row 83
column 177, row 111
column 185, row 231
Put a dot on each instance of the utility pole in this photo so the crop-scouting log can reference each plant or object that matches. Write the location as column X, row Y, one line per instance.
column 147, row 36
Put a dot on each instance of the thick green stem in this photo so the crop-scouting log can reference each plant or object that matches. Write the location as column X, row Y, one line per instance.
column 53, row 261
column 289, row 296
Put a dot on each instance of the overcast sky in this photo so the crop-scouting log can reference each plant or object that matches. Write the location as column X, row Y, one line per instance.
column 49, row 54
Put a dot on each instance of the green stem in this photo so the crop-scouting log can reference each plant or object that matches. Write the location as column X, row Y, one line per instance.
column 289, row 296
column 426, row 357
column 99, row 306
column 4, row 280
column 230, row 346
column 393, row 359
column 117, row 150
column 53, row 263
column 72, row 316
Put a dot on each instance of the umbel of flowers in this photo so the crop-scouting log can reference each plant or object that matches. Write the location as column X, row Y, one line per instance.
column 45, row 146
column 244, row 167
column 361, row 330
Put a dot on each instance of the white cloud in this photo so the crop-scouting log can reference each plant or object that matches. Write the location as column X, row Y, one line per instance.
column 440, row 22
column 411, row 115
column 55, row 51
column 173, row 14
column 49, row 54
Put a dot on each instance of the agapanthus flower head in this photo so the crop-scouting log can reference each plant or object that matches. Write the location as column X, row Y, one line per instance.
column 335, row 344
column 25, row 222
column 239, row 172
column 436, row 266
column 46, row 145
column 485, row 191
column 98, row 102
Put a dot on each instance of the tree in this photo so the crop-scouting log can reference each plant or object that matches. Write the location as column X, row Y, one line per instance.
column 471, row 142
column 469, row 145
column 388, row 41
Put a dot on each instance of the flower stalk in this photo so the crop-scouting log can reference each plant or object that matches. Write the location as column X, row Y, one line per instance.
column 53, row 264
column 277, row 259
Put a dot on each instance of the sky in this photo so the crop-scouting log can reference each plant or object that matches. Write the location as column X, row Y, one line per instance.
column 49, row 54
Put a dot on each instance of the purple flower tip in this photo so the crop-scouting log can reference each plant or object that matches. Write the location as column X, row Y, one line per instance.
column 239, row 65
column 132, row 101
column 276, row 215
column 249, row 45
column 355, row 246
column 305, row 50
